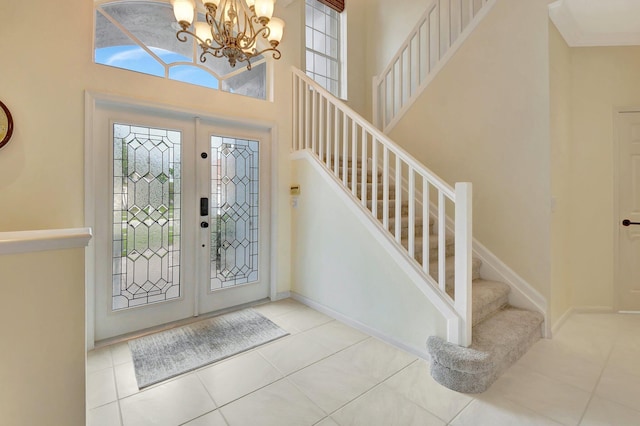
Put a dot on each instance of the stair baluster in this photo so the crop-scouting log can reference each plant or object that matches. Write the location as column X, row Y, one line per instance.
column 440, row 31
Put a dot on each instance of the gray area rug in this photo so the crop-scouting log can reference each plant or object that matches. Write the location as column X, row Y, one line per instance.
column 163, row 355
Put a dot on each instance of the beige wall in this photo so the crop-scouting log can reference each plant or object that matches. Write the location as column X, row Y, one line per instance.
column 560, row 105
column 485, row 119
column 357, row 42
column 42, row 373
column 603, row 78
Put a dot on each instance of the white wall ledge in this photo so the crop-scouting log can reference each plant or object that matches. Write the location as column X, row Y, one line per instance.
column 42, row 240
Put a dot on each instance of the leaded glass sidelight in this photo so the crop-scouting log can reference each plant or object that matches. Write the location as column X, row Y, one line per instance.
column 234, row 212
column 146, row 216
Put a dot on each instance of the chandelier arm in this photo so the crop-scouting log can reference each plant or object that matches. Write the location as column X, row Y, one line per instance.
column 247, row 25
column 215, row 35
column 216, row 53
column 182, row 35
column 250, row 41
column 276, row 52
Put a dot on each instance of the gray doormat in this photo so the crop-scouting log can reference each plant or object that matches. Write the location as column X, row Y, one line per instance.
column 163, row 355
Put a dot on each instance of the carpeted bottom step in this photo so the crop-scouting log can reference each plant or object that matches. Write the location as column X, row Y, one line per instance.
column 498, row 342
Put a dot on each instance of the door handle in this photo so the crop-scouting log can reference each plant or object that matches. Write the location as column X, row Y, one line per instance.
column 627, row 222
column 204, row 206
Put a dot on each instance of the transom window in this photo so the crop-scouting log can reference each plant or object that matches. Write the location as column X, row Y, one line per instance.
column 141, row 36
column 323, row 40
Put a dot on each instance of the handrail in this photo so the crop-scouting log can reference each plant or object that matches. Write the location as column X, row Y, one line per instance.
column 368, row 163
column 438, row 34
column 378, row 134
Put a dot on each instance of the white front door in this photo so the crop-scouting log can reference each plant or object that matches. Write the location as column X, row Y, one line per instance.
column 181, row 218
column 234, row 236
column 628, row 285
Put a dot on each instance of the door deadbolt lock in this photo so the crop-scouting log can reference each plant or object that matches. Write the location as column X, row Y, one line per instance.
column 204, row 224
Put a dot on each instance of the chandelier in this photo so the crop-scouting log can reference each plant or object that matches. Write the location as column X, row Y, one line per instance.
column 232, row 29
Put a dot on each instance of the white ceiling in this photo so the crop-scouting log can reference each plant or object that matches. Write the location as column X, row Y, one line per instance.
column 597, row 22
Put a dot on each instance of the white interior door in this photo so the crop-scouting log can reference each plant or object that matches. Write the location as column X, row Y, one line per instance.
column 161, row 255
column 628, row 285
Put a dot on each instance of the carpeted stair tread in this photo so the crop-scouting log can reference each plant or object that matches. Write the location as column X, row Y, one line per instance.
column 359, row 174
column 450, row 269
column 349, row 161
column 404, row 221
column 404, row 227
column 488, row 297
column 433, row 240
column 392, row 208
column 497, row 343
column 380, row 191
column 433, row 246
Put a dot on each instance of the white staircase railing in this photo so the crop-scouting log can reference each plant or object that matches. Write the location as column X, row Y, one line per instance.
column 440, row 31
column 386, row 180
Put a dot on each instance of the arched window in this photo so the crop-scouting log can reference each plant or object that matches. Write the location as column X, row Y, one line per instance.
column 141, row 36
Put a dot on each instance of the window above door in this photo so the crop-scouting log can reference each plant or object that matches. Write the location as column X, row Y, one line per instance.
column 141, row 36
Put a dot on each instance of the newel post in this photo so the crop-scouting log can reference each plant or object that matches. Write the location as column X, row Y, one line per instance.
column 463, row 260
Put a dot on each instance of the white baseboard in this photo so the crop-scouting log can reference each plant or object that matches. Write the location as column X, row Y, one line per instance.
column 561, row 321
column 579, row 310
column 360, row 326
column 594, row 310
column 282, row 295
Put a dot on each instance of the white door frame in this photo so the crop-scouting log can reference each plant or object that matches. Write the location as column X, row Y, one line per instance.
column 92, row 100
column 616, row 202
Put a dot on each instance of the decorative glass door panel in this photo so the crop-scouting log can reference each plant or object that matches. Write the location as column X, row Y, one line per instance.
column 146, row 216
column 234, row 212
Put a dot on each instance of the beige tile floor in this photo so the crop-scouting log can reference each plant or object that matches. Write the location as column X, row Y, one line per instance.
column 326, row 373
